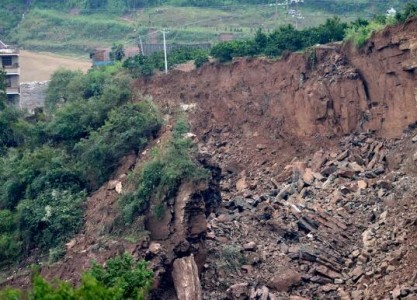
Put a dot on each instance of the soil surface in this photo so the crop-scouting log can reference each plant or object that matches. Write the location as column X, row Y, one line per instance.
column 40, row 66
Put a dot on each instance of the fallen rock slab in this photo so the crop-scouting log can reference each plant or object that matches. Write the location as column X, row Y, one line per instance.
column 186, row 280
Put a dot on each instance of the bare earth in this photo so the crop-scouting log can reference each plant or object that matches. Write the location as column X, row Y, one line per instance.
column 40, row 66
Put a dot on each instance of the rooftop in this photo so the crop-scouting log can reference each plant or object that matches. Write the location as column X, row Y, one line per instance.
column 8, row 49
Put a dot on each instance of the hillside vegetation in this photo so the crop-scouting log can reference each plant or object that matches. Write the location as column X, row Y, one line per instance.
column 78, row 26
column 289, row 39
column 49, row 164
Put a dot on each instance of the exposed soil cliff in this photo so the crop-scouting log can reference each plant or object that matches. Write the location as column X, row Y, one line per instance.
column 326, row 91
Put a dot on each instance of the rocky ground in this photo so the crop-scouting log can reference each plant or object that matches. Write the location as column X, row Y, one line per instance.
column 338, row 224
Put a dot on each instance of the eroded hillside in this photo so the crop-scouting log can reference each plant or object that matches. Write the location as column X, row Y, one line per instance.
column 316, row 169
column 312, row 186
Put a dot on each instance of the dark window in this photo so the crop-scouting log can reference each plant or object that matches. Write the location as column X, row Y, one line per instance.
column 6, row 60
column 8, row 82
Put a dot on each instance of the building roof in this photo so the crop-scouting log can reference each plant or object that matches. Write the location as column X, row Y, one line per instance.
column 8, row 50
column 3, row 45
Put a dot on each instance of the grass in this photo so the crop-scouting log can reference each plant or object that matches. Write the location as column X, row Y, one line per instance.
column 49, row 30
column 66, row 31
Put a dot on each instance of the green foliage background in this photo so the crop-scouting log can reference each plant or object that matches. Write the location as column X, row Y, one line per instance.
column 48, row 163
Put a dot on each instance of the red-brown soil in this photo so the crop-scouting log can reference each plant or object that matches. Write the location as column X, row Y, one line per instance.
column 317, row 177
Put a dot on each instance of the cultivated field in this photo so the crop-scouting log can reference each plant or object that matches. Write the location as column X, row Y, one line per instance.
column 40, row 66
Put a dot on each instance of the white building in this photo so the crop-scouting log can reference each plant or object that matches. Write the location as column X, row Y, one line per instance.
column 9, row 62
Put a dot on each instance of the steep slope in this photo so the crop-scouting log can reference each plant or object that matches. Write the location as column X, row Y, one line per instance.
column 316, row 177
column 331, row 89
column 315, row 169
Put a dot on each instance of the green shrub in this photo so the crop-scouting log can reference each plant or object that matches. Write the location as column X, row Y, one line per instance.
column 26, row 174
column 90, row 289
column 128, row 129
column 56, row 253
column 10, row 243
column 10, row 294
column 3, row 95
column 8, row 137
column 141, row 65
column 134, row 279
column 200, row 60
column 230, row 257
column 47, row 163
column 10, row 248
column 163, row 174
column 121, row 279
column 361, row 34
column 284, row 38
column 51, row 218
column 410, row 10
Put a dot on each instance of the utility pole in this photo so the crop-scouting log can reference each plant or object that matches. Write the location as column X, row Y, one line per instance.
column 141, row 46
column 165, row 52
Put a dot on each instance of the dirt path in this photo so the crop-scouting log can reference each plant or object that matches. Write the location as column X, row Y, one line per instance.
column 40, row 66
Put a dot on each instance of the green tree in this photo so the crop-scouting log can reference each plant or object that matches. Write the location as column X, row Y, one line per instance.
column 133, row 278
column 261, row 40
column 127, row 129
column 65, row 86
column 117, row 52
column 410, row 9
column 51, row 218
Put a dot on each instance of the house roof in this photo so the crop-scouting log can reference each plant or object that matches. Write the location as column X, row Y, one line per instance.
column 3, row 45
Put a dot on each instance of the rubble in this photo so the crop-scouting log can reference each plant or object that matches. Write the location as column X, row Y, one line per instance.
column 321, row 230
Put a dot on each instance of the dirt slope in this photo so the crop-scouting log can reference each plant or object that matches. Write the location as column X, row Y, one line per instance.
column 326, row 91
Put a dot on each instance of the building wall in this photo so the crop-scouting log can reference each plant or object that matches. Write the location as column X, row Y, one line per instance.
column 12, row 68
column 32, row 95
column 14, row 80
column 15, row 60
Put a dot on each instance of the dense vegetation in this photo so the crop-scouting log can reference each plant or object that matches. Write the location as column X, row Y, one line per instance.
column 287, row 38
column 121, row 278
column 141, row 65
column 48, row 163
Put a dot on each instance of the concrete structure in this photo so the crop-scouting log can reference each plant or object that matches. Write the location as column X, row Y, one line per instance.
column 32, row 95
column 101, row 56
column 9, row 61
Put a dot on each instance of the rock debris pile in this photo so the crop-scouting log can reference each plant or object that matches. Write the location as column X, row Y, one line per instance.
column 330, row 228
